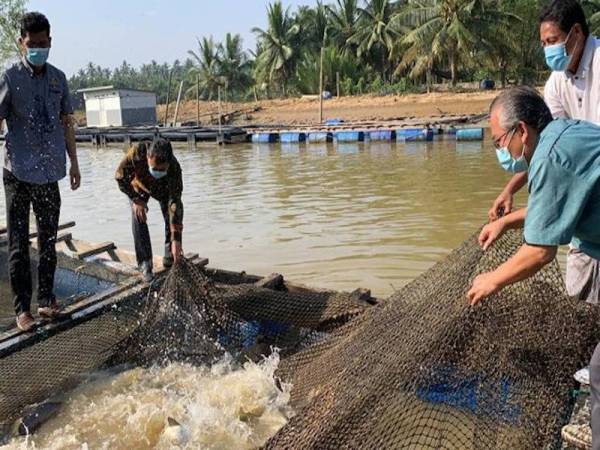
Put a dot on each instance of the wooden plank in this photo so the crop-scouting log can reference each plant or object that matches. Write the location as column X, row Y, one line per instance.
column 95, row 250
column 274, row 282
column 61, row 227
column 66, row 237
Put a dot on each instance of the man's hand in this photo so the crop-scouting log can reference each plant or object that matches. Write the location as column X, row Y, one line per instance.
column 502, row 206
column 75, row 176
column 483, row 286
column 490, row 233
column 176, row 250
column 139, row 209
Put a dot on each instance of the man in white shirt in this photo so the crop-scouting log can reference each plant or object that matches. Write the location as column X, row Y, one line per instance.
column 573, row 89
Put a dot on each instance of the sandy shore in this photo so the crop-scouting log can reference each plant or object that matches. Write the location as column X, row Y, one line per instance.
column 304, row 111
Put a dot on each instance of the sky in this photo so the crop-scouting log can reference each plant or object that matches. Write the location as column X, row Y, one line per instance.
column 109, row 31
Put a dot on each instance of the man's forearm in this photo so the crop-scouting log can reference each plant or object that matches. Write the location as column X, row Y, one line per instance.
column 515, row 219
column 525, row 263
column 69, row 130
column 516, row 183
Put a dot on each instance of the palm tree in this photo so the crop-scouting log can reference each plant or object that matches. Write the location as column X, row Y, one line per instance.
column 374, row 33
column 279, row 51
column 313, row 23
column 343, row 20
column 447, row 30
column 207, row 67
column 234, row 64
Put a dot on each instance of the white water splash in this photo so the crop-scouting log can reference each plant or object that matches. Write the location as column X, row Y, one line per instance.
column 178, row 406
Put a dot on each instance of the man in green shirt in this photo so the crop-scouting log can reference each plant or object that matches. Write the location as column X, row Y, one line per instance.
column 562, row 160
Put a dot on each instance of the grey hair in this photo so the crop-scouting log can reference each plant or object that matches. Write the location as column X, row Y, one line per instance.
column 522, row 104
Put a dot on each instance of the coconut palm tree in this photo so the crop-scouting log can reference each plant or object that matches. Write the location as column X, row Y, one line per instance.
column 313, row 23
column 343, row 19
column 234, row 65
column 207, row 67
column 373, row 32
column 446, row 30
column 279, row 49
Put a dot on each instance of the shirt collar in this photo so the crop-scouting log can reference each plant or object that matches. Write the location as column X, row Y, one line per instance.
column 30, row 69
column 586, row 58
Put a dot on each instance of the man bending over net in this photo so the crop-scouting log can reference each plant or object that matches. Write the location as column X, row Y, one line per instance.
column 562, row 158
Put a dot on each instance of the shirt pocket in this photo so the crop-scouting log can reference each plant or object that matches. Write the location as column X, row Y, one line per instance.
column 53, row 105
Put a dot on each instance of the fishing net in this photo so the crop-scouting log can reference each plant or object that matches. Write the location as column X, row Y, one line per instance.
column 419, row 370
column 423, row 370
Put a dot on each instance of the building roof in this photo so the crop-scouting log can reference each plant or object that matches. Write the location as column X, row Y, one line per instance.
column 112, row 88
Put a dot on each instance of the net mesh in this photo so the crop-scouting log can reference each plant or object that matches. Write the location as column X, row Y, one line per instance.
column 419, row 370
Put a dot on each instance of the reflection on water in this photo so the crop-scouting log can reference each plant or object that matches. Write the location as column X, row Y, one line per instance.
column 372, row 215
column 217, row 408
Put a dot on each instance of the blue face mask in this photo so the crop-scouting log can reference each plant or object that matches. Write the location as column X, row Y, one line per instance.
column 556, row 56
column 37, row 56
column 158, row 174
column 506, row 160
column 510, row 164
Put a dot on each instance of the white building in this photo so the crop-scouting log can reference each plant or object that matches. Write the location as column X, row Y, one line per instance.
column 107, row 106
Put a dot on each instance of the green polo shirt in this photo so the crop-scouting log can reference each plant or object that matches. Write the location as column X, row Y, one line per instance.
column 564, row 187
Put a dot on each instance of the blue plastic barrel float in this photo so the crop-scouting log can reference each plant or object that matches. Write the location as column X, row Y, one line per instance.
column 319, row 136
column 382, row 135
column 349, row 136
column 264, row 138
column 414, row 134
column 291, row 137
column 469, row 134
column 334, row 122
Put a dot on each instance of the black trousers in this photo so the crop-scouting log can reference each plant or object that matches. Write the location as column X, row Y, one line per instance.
column 141, row 234
column 45, row 199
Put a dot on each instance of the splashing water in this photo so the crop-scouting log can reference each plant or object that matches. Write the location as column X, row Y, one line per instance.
column 176, row 406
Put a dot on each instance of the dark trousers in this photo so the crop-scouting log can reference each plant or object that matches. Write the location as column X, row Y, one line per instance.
column 45, row 199
column 141, row 235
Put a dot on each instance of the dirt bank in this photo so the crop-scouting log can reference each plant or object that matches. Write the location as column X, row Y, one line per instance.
column 300, row 111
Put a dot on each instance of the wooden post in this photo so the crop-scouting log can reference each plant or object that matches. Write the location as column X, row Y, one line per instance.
column 198, row 100
column 168, row 97
column 337, row 82
column 191, row 140
column 321, row 88
column 219, row 100
column 177, row 104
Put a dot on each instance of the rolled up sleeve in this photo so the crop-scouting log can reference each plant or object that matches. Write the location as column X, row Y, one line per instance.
column 557, row 199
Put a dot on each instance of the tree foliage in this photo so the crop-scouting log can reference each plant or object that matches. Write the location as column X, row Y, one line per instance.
column 11, row 12
column 378, row 46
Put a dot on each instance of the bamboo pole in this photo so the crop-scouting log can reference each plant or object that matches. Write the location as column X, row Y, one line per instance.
column 321, row 88
column 198, row 100
column 177, row 104
column 219, row 100
column 168, row 97
column 337, row 82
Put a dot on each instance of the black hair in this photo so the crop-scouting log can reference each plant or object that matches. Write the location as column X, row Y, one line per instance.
column 161, row 150
column 34, row 22
column 522, row 103
column 565, row 13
